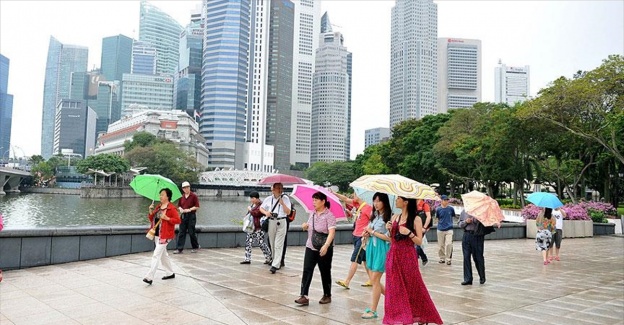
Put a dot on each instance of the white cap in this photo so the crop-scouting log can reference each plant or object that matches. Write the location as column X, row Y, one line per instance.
column 186, row 184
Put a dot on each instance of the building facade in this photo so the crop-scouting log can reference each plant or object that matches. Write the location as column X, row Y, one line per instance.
column 187, row 87
column 375, row 136
column 6, row 110
column 143, row 58
column 459, row 73
column 74, row 128
column 306, row 41
column 279, row 81
column 413, row 60
column 162, row 32
column 225, row 66
column 176, row 126
column 330, row 101
column 149, row 91
column 116, row 57
column 62, row 61
column 511, row 84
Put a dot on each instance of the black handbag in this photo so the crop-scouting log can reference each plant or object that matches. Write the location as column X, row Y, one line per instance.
column 318, row 238
column 264, row 224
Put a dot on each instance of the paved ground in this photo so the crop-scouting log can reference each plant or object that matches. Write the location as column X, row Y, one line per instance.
column 211, row 287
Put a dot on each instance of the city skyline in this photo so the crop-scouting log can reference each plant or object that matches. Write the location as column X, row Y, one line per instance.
column 554, row 38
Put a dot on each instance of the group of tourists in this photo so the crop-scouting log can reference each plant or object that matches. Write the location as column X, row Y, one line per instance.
column 382, row 243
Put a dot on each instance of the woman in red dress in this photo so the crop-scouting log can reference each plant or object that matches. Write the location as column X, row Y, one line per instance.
column 407, row 299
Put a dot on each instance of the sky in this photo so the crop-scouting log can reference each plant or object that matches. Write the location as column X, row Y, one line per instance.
column 555, row 38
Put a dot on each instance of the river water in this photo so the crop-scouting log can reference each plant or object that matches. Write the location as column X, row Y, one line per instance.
column 29, row 210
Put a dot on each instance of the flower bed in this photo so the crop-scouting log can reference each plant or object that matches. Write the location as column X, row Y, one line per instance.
column 578, row 221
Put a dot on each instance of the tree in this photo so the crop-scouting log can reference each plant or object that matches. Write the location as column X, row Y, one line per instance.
column 140, row 139
column 35, row 159
column 165, row 159
column 591, row 105
column 339, row 173
column 108, row 163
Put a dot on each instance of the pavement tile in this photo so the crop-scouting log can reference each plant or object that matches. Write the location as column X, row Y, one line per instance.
column 211, row 287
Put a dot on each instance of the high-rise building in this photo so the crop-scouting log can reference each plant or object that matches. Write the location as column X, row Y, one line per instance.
column 116, row 56
column 63, row 60
column 375, row 136
column 6, row 110
column 146, row 92
column 330, row 100
column 143, row 58
column 278, row 90
column 459, row 73
column 224, row 81
column 163, row 32
column 100, row 95
column 187, row 87
column 511, row 84
column 74, row 128
column 413, row 60
column 306, row 40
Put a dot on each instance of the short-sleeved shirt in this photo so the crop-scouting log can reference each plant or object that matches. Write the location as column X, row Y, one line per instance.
column 322, row 223
column 270, row 201
column 559, row 219
column 421, row 205
column 445, row 218
column 189, row 202
column 362, row 219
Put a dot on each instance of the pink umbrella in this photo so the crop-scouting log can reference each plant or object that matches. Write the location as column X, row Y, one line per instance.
column 483, row 207
column 281, row 178
column 303, row 194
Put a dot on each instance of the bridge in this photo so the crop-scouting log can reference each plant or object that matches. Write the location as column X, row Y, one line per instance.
column 10, row 179
column 235, row 180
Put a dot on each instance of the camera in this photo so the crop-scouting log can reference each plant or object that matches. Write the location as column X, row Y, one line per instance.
column 274, row 215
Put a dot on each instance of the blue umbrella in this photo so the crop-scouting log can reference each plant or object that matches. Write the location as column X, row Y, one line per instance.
column 544, row 200
column 367, row 196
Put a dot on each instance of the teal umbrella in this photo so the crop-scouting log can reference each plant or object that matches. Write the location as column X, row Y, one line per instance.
column 150, row 185
column 544, row 200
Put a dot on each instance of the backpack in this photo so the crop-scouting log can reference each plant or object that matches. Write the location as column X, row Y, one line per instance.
column 423, row 215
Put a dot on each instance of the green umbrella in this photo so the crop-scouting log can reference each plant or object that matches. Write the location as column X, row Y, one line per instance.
column 150, row 185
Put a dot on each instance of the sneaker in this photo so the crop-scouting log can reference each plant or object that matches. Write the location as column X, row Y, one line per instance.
column 177, row 251
column 325, row 300
column 425, row 262
column 448, row 263
column 303, row 301
column 441, row 261
column 245, row 262
column 268, row 262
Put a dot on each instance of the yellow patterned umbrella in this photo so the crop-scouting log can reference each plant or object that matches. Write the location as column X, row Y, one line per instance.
column 395, row 185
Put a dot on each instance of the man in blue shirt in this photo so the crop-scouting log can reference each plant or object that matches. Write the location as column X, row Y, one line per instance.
column 445, row 214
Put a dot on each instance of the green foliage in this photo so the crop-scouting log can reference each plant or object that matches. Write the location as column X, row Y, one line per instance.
column 42, row 172
column 35, row 159
column 141, row 139
column 165, row 159
column 597, row 216
column 339, row 173
column 106, row 162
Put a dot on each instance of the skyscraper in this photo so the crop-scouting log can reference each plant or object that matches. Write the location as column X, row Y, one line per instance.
column 163, row 32
column 62, row 60
column 143, row 58
column 306, row 40
column 224, row 81
column 511, row 84
column 6, row 110
column 459, row 73
column 375, row 136
column 330, row 100
column 413, row 60
column 187, row 88
column 279, row 81
column 146, row 92
column 74, row 127
column 116, row 56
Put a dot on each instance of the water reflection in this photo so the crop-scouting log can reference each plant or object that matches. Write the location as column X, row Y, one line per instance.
column 48, row 210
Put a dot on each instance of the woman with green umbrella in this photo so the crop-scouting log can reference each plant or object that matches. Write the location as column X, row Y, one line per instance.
column 164, row 217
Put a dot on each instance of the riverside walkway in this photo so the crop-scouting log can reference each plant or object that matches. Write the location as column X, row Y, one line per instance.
column 211, row 287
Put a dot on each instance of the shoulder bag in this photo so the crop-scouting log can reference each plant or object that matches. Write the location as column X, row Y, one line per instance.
column 318, row 238
column 151, row 234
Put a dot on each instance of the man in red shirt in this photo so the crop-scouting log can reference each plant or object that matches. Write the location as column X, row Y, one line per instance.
column 363, row 214
column 188, row 204
column 423, row 207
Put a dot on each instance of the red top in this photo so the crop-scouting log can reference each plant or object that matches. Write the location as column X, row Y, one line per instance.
column 188, row 202
column 167, row 227
column 421, row 205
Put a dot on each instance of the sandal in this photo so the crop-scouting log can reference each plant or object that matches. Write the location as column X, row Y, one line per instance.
column 367, row 284
column 342, row 284
column 369, row 314
column 557, row 258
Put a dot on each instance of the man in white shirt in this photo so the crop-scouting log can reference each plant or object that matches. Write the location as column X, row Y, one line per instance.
column 559, row 214
column 276, row 207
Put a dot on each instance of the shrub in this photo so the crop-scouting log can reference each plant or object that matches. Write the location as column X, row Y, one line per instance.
column 607, row 209
column 455, row 201
column 573, row 212
column 597, row 216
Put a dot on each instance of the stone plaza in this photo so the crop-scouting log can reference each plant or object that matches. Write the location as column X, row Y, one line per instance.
column 211, row 287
